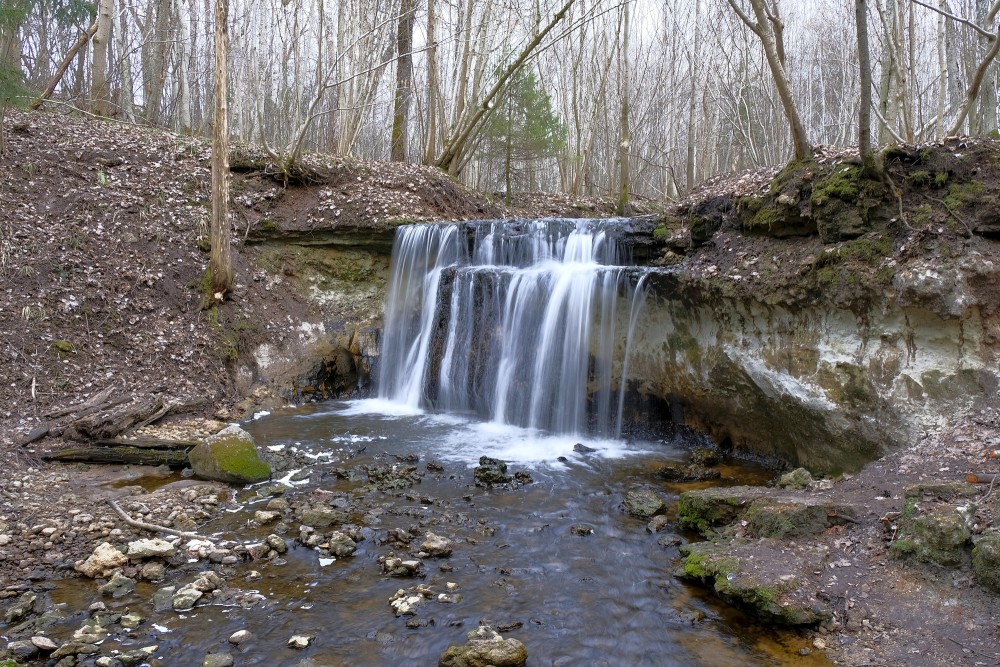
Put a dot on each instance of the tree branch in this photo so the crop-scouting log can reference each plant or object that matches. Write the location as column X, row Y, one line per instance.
column 985, row 33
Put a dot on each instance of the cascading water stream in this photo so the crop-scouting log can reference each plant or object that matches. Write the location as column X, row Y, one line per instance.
column 518, row 322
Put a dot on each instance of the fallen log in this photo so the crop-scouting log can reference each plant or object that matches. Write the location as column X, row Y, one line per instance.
column 147, row 443
column 174, row 458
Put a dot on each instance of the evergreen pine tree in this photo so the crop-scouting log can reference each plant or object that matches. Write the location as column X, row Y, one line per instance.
column 523, row 128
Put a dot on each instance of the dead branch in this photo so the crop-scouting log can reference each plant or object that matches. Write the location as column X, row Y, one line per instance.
column 152, row 527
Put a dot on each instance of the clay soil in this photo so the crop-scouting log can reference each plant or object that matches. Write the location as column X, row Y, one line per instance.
column 101, row 228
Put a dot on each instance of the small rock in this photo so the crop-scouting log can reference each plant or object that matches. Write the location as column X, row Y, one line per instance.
column 276, row 505
column 119, row 586
column 800, row 478
column 21, row 608
column 22, row 650
column 132, row 620
column 436, row 546
column 185, row 598
column 104, row 559
column 43, row 643
column 74, row 648
column 276, row 543
column 819, row 644
column 217, row 660
column 340, row 545
column 581, row 529
column 657, row 523
column 644, row 504
column 491, row 471
column 153, row 571
column 580, row 448
column 163, row 598
column 155, row 548
column 239, row 637
column 299, row 641
column 264, row 517
column 485, row 647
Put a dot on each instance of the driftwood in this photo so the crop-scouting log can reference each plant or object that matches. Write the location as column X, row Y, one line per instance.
column 106, row 415
column 175, row 458
column 152, row 526
column 104, row 424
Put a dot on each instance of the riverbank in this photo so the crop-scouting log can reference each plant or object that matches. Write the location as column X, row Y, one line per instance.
column 102, row 251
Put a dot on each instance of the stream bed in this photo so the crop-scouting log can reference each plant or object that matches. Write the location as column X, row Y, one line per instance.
column 554, row 562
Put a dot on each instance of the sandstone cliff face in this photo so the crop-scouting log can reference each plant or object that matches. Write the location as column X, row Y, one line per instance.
column 815, row 384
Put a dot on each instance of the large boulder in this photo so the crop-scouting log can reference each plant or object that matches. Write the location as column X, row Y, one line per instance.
column 229, row 456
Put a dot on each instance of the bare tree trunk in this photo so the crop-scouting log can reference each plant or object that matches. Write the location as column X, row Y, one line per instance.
column 64, row 65
column 220, row 263
column 626, row 138
column 868, row 157
column 768, row 28
column 430, row 142
column 154, row 69
column 99, row 73
column 404, row 72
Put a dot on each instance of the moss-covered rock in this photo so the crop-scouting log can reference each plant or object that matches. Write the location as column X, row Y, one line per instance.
column 845, row 203
column 986, row 561
column 777, row 518
column 706, row 509
column 800, row 478
column 940, row 537
column 229, row 456
column 944, row 491
column 773, row 591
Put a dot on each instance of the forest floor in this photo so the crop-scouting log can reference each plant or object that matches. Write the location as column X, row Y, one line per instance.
column 102, row 229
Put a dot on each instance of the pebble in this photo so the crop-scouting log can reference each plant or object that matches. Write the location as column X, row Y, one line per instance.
column 299, row 641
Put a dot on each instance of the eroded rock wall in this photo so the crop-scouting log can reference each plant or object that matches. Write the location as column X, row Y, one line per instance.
column 815, row 384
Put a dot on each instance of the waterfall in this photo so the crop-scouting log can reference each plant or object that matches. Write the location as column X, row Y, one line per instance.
column 520, row 322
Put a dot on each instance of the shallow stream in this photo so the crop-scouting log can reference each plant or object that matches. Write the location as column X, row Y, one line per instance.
column 605, row 598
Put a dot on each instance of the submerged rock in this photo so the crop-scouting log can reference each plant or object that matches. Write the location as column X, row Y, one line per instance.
column 644, row 504
column 24, row 606
column 229, row 456
column 119, row 586
column 485, row 648
column 694, row 472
